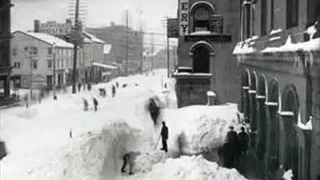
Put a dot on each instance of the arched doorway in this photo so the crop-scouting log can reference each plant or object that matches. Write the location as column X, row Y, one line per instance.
column 201, row 53
column 201, row 60
column 261, row 116
column 289, row 118
column 272, row 105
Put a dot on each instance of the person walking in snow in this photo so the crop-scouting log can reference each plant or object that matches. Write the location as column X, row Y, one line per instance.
column 95, row 104
column 117, row 84
column 113, row 90
column 129, row 158
column 232, row 140
column 164, row 136
column 85, row 105
column 154, row 110
column 243, row 139
column 79, row 87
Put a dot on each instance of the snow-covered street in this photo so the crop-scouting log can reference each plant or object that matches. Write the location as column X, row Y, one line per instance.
column 57, row 140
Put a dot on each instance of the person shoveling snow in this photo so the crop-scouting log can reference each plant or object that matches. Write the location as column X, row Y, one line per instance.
column 129, row 158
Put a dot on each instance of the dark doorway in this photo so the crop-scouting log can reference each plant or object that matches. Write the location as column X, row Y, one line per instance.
column 201, row 60
column 49, row 82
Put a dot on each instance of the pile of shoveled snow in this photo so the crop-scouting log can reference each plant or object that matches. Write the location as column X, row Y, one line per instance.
column 191, row 168
column 197, row 129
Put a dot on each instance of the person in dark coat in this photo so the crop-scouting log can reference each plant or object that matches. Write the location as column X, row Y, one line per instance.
column 85, row 105
column 232, row 140
column 95, row 103
column 243, row 139
column 129, row 158
column 113, row 90
column 154, row 110
column 89, row 86
column 227, row 153
column 164, row 136
column 117, row 84
column 79, row 87
column 3, row 150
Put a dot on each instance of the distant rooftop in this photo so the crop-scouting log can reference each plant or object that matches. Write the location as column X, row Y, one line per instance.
column 48, row 39
column 89, row 38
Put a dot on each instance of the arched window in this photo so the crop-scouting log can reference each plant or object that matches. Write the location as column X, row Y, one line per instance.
column 292, row 13
column 201, row 13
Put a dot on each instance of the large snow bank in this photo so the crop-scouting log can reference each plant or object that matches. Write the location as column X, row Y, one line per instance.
column 191, row 168
column 197, row 129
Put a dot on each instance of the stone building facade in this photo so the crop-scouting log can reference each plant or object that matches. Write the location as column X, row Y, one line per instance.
column 279, row 70
column 208, row 34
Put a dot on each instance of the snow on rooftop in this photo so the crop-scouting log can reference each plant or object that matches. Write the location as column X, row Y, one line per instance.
column 243, row 48
column 286, row 113
column 191, row 168
column 104, row 65
column 48, row 39
column 312, row 30
column 93, row 38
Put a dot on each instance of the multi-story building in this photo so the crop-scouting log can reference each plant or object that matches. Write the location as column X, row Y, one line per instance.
column 5, row 36
column 91, row 54
column 117, row 36
column 34, row 56
column 279, row 60
column 208, row 33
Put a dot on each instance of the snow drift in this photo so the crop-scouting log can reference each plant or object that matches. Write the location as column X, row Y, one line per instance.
column 191, row 168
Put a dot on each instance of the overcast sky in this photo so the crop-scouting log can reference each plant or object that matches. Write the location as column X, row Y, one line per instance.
column 100, row 12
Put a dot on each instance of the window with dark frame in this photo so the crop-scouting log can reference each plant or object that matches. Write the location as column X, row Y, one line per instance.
column 292, row 13
column 35, row 64
column 201, row 19
column 272, row 14
column 49, row 63
column 263, row 21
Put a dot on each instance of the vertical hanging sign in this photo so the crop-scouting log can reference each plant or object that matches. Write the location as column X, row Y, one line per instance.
column 184, row 17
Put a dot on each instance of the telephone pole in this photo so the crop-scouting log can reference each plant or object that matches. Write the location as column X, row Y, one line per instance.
column 152, row 52
column 127, row 43
column 54, row 69
column 75, row 48
column 168, row 49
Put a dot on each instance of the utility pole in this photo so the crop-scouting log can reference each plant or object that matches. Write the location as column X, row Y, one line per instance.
column 31, row 70
column 54, row 70
column 152, row 52
column 127, row 42
column 75, row 48
column 168, row 50
column 141, row 32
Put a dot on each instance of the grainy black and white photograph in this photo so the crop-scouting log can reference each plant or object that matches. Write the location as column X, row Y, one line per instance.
column 159, row 89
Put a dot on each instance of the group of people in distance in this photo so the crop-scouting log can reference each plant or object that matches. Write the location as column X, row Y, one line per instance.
column 236, row 145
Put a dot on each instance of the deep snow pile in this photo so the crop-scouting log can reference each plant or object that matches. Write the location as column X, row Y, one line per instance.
column 40, row 147
column 191, row 168
column 198, row 129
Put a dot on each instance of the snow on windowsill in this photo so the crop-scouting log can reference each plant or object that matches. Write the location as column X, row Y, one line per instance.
column 191, row 74
column 312, row 45
column 245, row 87
column 275, row 38
column 271, row 103
column 288, row 175
column 260, row 97
column 286, row 113
column 211, row 94
column 252, row 91
column 201, row 33
column 307, row 126
column 275, row 31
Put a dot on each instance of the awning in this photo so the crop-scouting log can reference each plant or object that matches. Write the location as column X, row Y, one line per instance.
column 104, row 65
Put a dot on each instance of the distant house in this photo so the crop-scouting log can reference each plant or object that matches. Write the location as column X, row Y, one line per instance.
column 33, row 59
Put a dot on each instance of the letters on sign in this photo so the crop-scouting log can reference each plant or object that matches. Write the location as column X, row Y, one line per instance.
column 184, row 17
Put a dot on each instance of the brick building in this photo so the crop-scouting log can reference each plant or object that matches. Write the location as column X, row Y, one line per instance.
column 208, row 34
column 5, row 36
column 279, row 60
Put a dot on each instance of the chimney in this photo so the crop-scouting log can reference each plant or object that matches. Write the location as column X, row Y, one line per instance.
column 36, row 26
column 112, row 23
